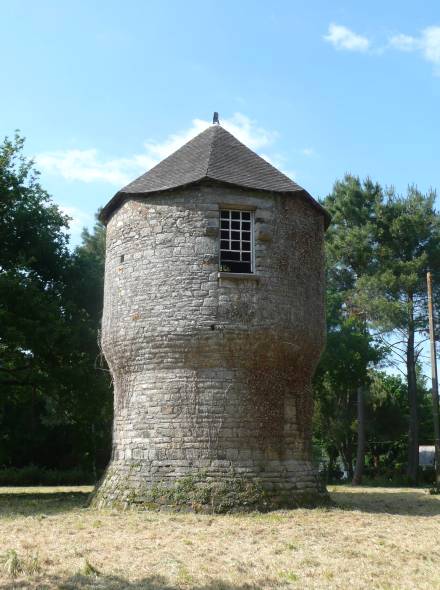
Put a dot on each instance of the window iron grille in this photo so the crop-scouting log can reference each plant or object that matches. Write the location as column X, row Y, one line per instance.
column 236, row 241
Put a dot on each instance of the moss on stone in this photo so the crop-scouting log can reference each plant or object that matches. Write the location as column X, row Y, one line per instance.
column 196, row 493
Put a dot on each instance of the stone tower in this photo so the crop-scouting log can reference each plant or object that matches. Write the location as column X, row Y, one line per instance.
column 213, row 325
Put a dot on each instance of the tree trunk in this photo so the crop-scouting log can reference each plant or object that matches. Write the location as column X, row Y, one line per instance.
column 33, row 424
column 413, row 431
column 350, row 467
column 360, row 453
column 376, row 461
column 347, row 459
column 93, row 441
column 331, row 469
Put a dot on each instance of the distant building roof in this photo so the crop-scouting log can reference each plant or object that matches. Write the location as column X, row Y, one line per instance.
column 215, row 154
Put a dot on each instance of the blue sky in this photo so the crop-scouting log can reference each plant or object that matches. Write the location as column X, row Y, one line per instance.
column 103, row 90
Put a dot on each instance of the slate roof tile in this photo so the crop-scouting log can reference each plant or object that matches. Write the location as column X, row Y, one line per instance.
column 215, row 154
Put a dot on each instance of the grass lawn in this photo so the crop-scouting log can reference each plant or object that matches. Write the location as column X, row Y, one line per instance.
column 374, row 538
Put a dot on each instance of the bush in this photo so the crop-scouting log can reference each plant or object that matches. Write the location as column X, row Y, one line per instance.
column 39, row 476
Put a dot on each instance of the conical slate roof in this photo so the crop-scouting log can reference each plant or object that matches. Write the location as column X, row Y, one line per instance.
column 216, row 155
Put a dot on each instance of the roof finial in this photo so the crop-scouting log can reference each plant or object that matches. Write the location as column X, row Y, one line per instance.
column 215, row 119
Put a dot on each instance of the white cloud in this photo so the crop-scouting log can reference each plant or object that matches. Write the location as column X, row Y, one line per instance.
column 430, row 41
column 427, row 44
column 308, row 151
column 279, row 162
column 89, row 166
column 403, row 42
column 248, row 132
column 343, row 38
column 78, row 219
column 84, row 165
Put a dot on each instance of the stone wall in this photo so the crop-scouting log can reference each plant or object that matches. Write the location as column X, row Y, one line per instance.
column 211, row 374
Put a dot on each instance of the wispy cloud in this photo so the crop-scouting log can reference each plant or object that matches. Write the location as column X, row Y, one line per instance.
column 279, row 161
column 427, row 44
column 403, row 42
column 90, row 166
column 78, row 219
column 85, row 165
column 431, row 44
column 345, row 39
column 308, row 151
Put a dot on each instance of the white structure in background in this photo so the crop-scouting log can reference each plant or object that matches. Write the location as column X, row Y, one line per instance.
column 426, row 456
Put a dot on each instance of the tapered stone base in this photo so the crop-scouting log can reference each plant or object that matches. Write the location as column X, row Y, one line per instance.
column 201, row 492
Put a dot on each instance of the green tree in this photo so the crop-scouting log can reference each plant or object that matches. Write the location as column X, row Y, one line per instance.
column 387, row 418
column 342, row 370
column 387, row 424
column 33, row 260
column 55, row 407
column 407, row 231
column 350, row 253
column 88, row 270
column 93, row 405
column 351, row 246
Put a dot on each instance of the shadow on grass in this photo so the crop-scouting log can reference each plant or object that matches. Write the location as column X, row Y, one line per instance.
column 81, row 582
column 409, row 503
column 32, row 504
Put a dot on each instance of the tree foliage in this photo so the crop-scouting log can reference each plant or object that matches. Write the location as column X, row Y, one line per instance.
column 407, row 232
column 52, row 396
column 379, row 247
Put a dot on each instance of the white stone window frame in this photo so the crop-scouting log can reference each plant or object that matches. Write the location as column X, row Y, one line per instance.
column 235, row 209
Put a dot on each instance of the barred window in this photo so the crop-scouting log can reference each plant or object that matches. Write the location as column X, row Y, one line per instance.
column 236, row 241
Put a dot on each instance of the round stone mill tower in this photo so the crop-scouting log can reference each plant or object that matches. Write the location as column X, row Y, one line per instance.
column 213, row 325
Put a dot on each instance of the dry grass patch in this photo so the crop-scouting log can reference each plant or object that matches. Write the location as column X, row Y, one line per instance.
column 373, row 538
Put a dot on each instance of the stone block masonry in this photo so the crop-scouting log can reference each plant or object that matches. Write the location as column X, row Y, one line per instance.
column 212, row 374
